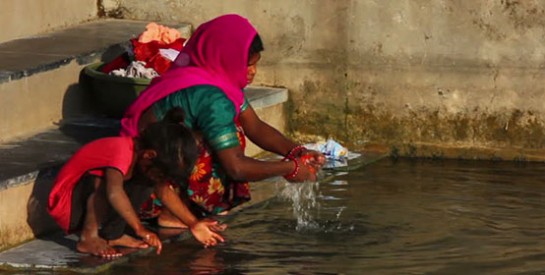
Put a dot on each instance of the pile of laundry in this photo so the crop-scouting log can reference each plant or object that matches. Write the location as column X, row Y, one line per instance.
column 336, row 155
column 149, row 55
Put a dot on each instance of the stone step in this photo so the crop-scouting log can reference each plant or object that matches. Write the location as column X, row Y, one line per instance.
column 23, row 18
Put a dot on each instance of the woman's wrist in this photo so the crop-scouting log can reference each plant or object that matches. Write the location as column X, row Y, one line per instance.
column 295, row 152
column 295, row 170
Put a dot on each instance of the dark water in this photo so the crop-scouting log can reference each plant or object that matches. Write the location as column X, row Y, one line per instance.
column 404, row 217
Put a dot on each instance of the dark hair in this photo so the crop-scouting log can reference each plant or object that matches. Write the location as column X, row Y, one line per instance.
column 175, row 115
column 256, row 46
column 175, row 146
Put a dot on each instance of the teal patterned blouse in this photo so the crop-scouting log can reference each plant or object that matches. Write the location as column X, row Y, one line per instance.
column 207, row 110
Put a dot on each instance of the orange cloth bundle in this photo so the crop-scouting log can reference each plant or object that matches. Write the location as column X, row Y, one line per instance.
column 163, row 35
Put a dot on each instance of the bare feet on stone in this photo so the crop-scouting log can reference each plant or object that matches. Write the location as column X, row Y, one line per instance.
column 98, row 247
column 128, row 241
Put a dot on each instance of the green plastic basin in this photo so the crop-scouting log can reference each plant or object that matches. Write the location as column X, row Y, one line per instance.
column 112, row 94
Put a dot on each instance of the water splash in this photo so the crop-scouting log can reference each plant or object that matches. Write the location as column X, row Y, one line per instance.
column 303, row 198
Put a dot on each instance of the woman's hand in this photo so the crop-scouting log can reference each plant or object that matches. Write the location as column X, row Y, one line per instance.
column 305, row 172
column 205, row 231
column 150, row 238
column 313, row 158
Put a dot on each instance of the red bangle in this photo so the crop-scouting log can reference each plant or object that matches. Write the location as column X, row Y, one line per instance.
column 295, row 170
column 294, row 151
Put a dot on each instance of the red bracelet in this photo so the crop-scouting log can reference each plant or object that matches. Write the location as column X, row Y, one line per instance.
column 295, row 150
column 295, row 170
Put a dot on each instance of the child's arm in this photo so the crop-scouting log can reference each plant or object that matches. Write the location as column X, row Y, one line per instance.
column 203, row 231
column 121, row 203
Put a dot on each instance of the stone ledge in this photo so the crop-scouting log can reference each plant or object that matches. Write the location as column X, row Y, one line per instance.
column 263, row 97
column 22, row 160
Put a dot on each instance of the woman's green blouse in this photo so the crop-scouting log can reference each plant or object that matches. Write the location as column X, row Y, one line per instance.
column 207, row 110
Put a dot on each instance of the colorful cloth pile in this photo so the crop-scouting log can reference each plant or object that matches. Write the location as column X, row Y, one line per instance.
column 154, row 49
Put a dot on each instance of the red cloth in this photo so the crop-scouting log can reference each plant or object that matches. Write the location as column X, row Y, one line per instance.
column 149, row 53
column 115, row 152
column 119, row 62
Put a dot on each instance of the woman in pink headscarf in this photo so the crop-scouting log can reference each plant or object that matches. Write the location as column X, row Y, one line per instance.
column 207, row 81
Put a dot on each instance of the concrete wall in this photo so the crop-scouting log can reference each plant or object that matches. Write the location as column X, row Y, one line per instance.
column 426, row 78
column 13, row 223
column 21, row 18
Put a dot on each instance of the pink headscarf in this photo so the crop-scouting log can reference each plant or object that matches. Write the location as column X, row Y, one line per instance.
column 216, row 54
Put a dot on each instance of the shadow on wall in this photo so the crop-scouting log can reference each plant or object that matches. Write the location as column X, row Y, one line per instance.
column 79, row 99
column 38, row 218
column 77, row 102
column 42, row 224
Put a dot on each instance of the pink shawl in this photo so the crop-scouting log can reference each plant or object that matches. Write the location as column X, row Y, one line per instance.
column 216, row 54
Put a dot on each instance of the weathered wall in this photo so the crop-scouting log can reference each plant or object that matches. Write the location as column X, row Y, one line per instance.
column 426, row 78
column 21, row 18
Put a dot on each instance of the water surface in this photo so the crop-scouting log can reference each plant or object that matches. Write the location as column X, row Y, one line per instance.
column 391, row 217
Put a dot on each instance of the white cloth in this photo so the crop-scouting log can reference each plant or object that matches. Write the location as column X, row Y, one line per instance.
column 330, row 148
column 137, row 69
column 336, row 155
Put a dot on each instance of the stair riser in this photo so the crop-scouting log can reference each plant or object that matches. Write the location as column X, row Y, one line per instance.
column 34, row 103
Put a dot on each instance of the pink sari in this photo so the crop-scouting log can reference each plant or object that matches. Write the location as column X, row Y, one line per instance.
column 216, row 54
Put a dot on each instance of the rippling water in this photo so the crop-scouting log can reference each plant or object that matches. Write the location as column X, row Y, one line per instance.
column 404, row 217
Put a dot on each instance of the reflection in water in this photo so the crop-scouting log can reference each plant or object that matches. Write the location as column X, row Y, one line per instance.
column 410, row 216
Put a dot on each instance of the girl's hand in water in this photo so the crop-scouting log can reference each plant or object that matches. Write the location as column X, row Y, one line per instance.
column 205, row 231
column 218, row 227
column 151, row 239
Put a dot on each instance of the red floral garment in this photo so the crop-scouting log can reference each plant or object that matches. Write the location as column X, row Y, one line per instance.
column 208, row 187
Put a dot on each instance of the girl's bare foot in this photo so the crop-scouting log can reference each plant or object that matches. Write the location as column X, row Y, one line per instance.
column 98, row 247
column 166, row 219
column 128, row 241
